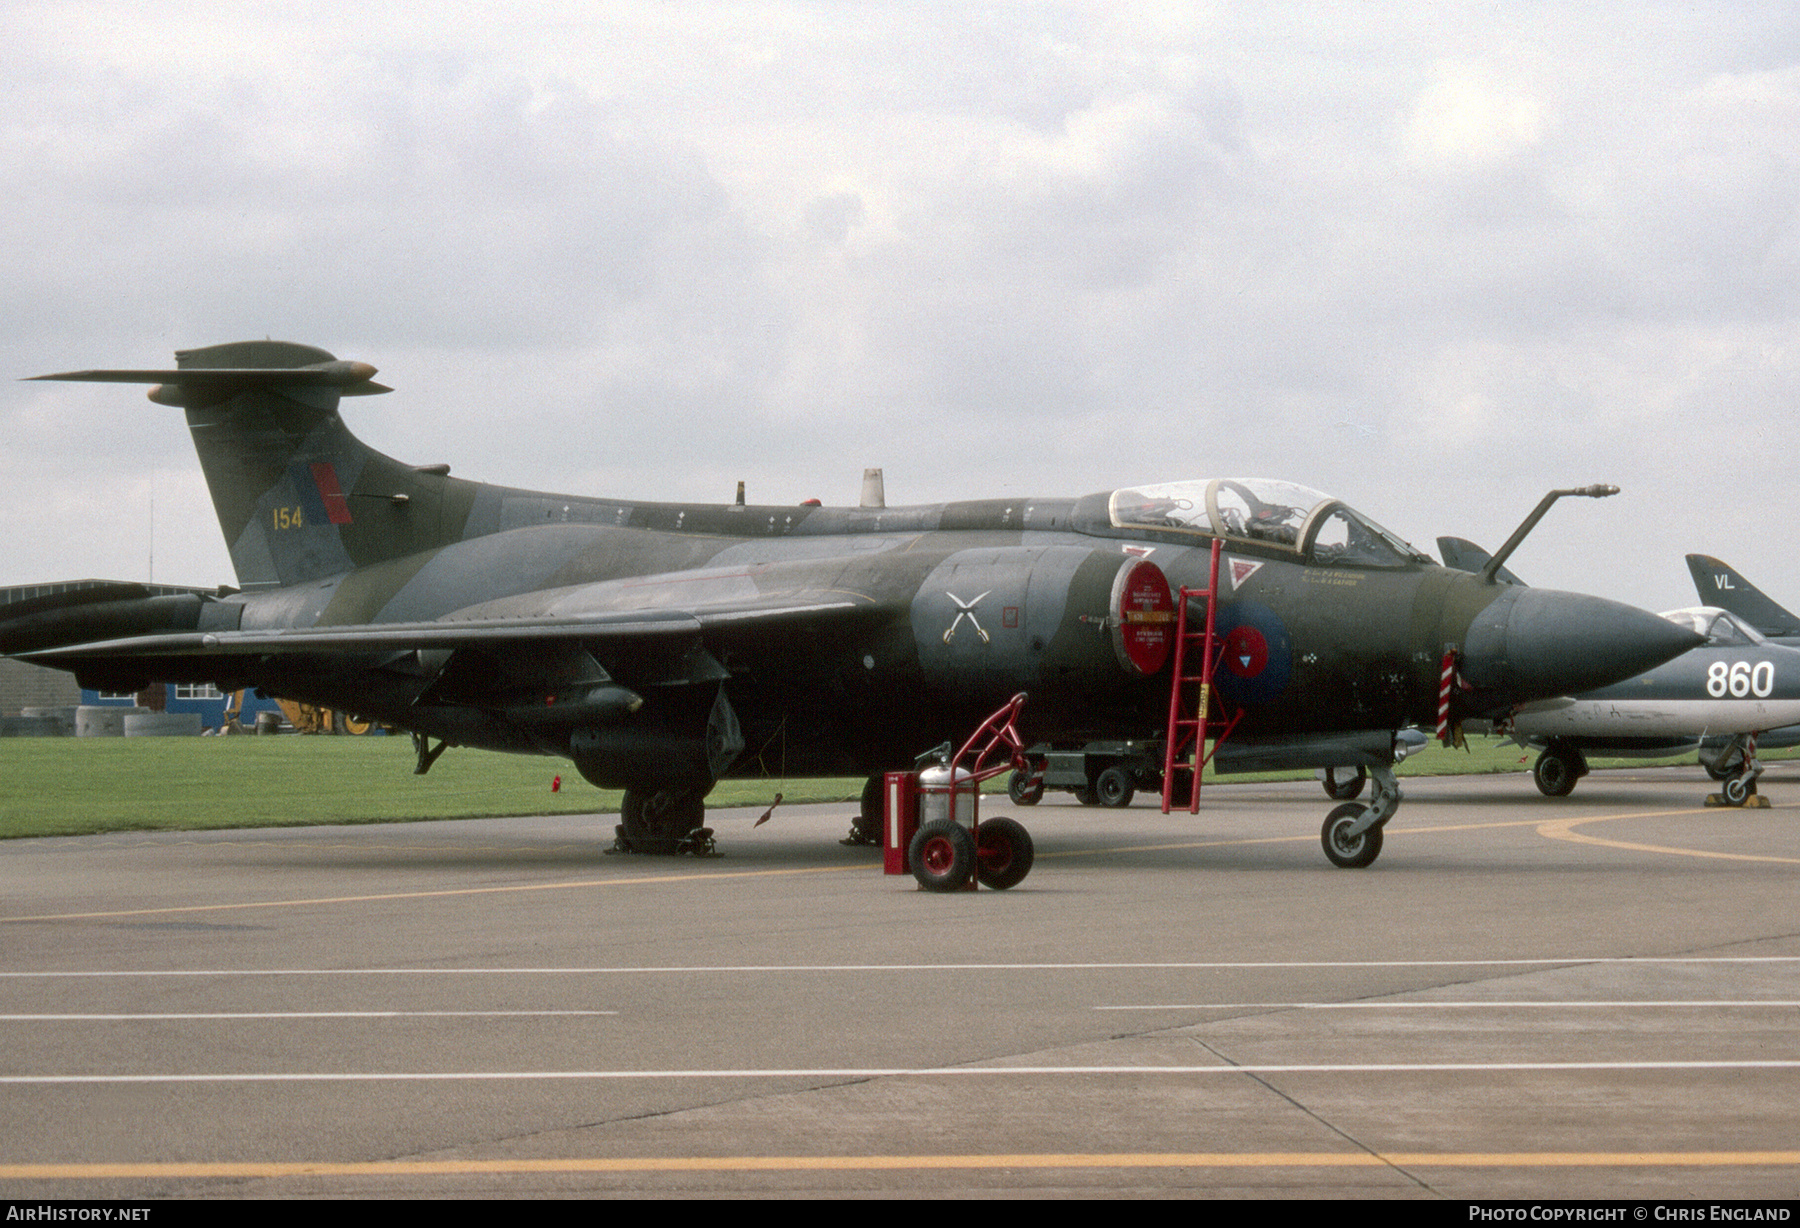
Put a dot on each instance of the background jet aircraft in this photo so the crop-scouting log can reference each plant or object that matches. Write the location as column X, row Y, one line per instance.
column 660, row 646
column 1736, row 685
column 1719, row 584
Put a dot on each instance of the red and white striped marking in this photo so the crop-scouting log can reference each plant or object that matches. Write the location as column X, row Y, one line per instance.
column 1446, row 678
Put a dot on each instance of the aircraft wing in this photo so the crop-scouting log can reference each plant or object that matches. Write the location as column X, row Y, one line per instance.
column 609, row 627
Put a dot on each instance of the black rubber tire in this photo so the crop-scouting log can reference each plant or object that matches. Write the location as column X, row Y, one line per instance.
column 865, row 828
column 1349, row 852
column 1023, row 792
column 1555, row 775
column 1737, row 790
column 1342, row 789
column 942, row 855
column 658, row 822
column 1003, row 854
column 1114, row 788
column 631, row 818
column 1085, row 795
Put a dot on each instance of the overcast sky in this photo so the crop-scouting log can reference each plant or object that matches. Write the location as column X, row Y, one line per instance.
column 1434, row 259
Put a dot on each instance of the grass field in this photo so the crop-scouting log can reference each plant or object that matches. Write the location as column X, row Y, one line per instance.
column 73, row 786
column 77, row 786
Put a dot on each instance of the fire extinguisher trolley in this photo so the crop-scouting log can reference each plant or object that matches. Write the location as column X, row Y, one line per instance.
column 932, row 826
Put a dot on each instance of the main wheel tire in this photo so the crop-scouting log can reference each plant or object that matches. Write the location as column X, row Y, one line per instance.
column 1554, row 774
column 1003, row 854
column 1023, row 790
column 1342, row 787
column 1341, row 848
column 1113, row 788
column 658, row 822
column 865, row 828
column 942, row 855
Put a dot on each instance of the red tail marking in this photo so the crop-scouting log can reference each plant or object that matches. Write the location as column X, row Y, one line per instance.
column 337, row 506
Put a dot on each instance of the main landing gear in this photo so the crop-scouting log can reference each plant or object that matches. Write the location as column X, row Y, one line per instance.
column 865, row 828
column 1736, row 769
column 1558, row 768
column 1352, row 832
column 667, row 821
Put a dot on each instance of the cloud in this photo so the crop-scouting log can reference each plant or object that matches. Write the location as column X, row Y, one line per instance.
column 1431, row 258
column 1464, row 118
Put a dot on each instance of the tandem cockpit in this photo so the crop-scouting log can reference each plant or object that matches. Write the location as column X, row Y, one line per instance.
column 1262, row 512
column 1721, row 628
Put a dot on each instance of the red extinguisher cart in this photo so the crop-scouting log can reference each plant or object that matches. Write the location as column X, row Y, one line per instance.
column 932, row 825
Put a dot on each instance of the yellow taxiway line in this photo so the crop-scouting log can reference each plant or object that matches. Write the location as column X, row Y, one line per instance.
column 1564, row 829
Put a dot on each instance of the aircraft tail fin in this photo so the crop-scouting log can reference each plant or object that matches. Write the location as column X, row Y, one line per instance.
column 298, row 496
column 1719, row 584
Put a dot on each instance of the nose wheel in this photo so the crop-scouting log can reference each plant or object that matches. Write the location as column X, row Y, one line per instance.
column 1350, row 844
column 1352, row 832
column 1738, row 787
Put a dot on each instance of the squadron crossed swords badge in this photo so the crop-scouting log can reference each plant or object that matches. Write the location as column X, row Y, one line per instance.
column 965, row 609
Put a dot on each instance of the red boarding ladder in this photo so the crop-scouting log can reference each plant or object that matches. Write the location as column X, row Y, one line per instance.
column 1184, row 749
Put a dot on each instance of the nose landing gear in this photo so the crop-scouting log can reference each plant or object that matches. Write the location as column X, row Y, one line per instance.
column 1738, row 788
column 1352, row 832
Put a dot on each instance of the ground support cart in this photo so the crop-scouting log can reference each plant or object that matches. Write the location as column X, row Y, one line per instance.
column 932, row 825
column 1098, row 773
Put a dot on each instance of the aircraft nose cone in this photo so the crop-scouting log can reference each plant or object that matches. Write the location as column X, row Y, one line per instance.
column 1535, row 643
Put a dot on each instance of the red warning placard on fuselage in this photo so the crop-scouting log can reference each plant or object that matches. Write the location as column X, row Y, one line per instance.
column 1143, row 610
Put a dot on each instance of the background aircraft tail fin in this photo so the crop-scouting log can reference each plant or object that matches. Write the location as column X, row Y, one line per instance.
column 298, row 496
column 1719, row 584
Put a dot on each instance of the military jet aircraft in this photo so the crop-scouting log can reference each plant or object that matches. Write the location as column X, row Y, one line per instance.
column 1721, row 698
column 661, row 646
column 1719, row 584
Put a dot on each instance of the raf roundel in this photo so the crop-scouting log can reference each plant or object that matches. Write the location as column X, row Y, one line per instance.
column 1257, row 657
column 1246, row 652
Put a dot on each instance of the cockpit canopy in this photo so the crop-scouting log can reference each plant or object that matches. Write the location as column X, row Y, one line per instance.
column 1272, row 514
column 1720, row 627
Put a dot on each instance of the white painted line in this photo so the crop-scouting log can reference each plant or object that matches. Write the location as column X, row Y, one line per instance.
column 889, row 1072
column 678, row 969
column 1450, row 1006
column 296, row 1015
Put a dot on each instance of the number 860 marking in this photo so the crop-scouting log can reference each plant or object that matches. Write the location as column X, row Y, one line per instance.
column 1740, row 678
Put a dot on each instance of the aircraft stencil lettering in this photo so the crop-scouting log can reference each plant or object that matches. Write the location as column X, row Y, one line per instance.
column 652, row 643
